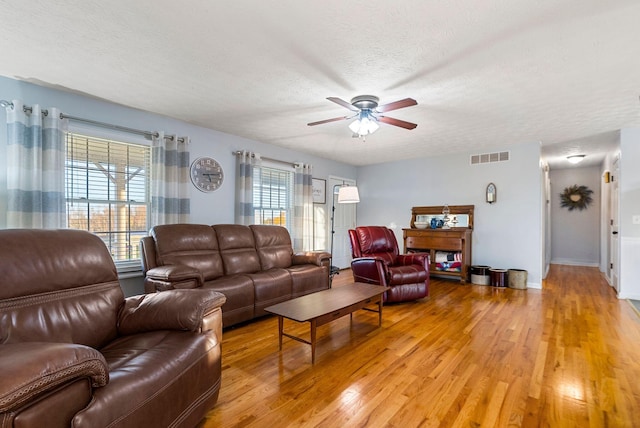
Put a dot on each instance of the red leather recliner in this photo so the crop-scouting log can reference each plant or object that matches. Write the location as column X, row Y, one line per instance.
column 376, row 260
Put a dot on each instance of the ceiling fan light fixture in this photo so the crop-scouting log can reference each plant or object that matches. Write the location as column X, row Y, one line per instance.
column 366, row 124
column 368, row 114
column 574, row 159
column 372, row 126
column 355, row 126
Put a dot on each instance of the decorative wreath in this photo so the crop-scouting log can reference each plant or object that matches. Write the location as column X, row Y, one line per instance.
column 576, row 197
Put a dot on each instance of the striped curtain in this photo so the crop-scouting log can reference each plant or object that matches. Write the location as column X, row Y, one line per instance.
column 35, row 168
column 169, row 180
column 302, row 234
column 245, row 163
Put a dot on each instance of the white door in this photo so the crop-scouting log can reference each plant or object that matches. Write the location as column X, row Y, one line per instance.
column 344, row 219
column 614, row 264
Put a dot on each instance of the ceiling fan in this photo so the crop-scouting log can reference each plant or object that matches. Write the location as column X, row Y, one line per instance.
column 369, row 113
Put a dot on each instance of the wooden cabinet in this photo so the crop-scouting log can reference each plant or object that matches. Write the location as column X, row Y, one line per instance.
column 454, row 239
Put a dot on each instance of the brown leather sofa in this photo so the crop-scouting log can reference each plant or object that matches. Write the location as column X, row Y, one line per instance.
column 253, row 266
column 377, row 260
column 75, row 352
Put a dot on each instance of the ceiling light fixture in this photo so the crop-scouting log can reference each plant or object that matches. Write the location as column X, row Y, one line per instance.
column 574, row 159
column 365, row 124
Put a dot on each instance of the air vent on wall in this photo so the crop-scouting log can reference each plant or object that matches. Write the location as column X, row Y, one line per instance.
column 489, row 157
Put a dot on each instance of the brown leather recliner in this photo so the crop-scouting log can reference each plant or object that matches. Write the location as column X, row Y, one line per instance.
column 376, row 260
column 75, row 352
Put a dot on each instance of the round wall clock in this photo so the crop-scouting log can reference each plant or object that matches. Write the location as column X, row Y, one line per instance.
column 206, row 174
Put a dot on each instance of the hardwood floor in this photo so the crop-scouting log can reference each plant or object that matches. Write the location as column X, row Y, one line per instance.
column 468, row 355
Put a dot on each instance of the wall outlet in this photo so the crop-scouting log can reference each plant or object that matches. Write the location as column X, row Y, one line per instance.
column 635, row 219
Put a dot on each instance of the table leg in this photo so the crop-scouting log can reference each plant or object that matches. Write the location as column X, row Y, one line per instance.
column 313, row 341
column 380, row 313
column 280, row 328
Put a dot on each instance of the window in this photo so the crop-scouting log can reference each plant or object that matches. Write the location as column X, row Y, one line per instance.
column 273, row 196
column 107, row 193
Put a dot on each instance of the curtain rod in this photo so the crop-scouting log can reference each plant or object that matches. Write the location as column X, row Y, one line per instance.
column 293, row 164
column 146, row 134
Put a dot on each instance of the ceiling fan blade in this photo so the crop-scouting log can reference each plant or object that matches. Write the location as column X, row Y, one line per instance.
column 407, row 102
column 343, row 103
column 335, row 119
column 397, row 122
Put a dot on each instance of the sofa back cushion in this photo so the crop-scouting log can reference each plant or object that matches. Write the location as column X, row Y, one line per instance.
column 237, row 248
column 273, row 244
column 194, row 245
column 57, row 286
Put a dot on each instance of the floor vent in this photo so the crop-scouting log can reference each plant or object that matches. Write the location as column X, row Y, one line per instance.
column 489, row 157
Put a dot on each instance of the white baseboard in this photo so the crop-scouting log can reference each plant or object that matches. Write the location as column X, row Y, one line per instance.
column 629, row 296
column 574, row 263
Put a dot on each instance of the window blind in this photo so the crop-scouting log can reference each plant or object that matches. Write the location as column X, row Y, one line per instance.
column 273, row 196
column 107, row 193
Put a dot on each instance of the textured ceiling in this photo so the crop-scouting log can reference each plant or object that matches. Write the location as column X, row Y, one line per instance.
column 486, row 74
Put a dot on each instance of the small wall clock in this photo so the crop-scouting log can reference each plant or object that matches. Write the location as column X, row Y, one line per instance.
column 206, row 174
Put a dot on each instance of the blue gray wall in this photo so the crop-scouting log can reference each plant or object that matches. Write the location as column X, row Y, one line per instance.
column 507, row 234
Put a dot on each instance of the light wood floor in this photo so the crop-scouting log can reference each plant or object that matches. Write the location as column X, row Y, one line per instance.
column 469, row 355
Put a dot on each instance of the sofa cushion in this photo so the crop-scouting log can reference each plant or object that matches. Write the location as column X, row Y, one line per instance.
column 194, row 245
column 273, row 244
column 63, row 316
column 307, row 279
column 239, row 291
column 271, row 287
column 407, row 274
column 167, row 370
column 237, row 248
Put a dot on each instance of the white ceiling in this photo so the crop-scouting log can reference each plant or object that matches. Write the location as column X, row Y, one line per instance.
column 487, row 74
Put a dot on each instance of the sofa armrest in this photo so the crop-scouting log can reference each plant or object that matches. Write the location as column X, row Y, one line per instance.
column 318, row 258
column 169, row 310
column 371, row 270
column 414, row 259
column 147, row 253
column 176, row 274
column 172, row 277
column 30, row 369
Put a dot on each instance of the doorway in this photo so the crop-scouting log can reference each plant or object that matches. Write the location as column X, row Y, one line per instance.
column 344, row 219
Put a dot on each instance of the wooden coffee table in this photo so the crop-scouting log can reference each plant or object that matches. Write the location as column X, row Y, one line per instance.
column 325, row 306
